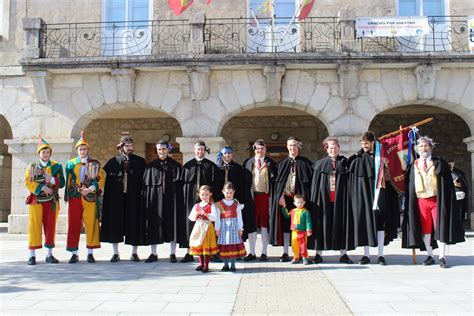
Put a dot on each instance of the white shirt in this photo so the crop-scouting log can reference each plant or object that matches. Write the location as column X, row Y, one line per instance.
column 213, row 216
column 44, row 164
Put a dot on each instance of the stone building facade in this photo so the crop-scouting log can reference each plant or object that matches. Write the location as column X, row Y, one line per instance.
column 206, row 90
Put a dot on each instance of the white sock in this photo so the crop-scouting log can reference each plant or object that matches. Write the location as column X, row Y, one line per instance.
column 343, row 252
column 252, row 242
column 115, row 248
column 134, row 249
column 50, row 252
column 366, row 251
column 90, row 251
column 153, row 249
column 172, row 247
column 74, row 252
column 286, row 242
column 380, row 242
column 264, row 234
column 442, row 249
column 319, row 252
column 427, row 242
column 32, row 253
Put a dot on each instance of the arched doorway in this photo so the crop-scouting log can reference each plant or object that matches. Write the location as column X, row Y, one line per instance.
column 275, row 125
column 5, row 170
column 447, row 129
column 146, row 126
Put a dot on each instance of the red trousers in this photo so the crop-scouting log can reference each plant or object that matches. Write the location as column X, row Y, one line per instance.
column 298, row 244
column 428, row 214
column 82, row 212
column 42, row 215
column 262, row 209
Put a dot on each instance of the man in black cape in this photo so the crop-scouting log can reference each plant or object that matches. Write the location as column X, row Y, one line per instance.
column 230, row 171
column 259, row 174
column 121, row 205
column 462, row 191
column 294, row 176
column 372, row 228
column 431, row 210
column 196, row 172
column 162, row 202
column 334, row 222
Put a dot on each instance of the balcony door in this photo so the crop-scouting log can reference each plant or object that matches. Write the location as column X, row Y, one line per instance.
column 126, row 28
column 439, row 38
column 281, row 34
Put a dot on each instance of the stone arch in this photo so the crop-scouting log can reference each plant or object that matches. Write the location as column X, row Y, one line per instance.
column 281, row 122
column 5, row 169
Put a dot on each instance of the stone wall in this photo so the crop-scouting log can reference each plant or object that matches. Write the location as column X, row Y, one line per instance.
column 104, row 134
column 5, row 170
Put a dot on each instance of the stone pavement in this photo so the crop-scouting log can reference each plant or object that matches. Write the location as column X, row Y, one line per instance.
column 256, row 288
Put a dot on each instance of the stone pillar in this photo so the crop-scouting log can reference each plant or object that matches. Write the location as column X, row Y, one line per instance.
column 350, row 144
column 23, row 153
column 186, row 146
column 426, row 80
column 199, row 77
column 125, row 80
column 196, row 28
column 349, row 80
column 31, row 45
column 347, row 18
column 470, row 147
column 41, row 84
column 274, row 75
column 5, row 188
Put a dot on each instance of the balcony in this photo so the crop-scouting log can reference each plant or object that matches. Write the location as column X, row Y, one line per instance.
column 320, row 39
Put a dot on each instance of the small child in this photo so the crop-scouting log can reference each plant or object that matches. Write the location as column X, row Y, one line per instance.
column 203, row 237
column 301, row 228
column 229, row 228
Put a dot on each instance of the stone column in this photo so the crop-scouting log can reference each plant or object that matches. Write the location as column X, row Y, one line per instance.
column 196, row 28
column 470, row 147
column 23, row 153
column 31, row 46
column 5, row 188
column 274, row 75
column 347, row 20
column 350, row 144
column 199, row 77
column 186, row 146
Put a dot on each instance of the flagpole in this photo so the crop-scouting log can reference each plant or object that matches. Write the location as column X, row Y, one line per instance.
column 404, row 128
column 273, row 26
column 291, row 21
column 256, row 21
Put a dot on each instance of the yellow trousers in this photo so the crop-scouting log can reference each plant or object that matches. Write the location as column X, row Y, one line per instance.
column 299, row 244
column 81, row 211
column 42, row 216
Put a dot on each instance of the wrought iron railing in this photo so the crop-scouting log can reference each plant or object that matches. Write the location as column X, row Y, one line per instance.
column 447, row 34
column 241, row 35
column 238, row 36
column 115, row 39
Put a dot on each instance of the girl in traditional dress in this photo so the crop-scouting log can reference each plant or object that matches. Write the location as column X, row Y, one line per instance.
column 229, row 228
column 203, row 237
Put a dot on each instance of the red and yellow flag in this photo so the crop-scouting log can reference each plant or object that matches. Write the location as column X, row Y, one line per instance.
column 264, row 10
column 306, row 7
column 179, row 6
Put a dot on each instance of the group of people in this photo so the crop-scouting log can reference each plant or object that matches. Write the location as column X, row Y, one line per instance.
column 211, row 209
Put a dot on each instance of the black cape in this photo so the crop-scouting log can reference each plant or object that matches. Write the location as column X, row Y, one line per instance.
column 389, row 210
column 162, row 201
column 248, row 213
column 464, row 203
column 448, row 228
column 304, row 174
column 121, row 214
column 209, row 175
column 235, row 175
column 334, row 224
column 361, row 198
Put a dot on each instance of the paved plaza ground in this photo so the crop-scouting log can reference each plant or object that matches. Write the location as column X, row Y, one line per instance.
column 257, row 288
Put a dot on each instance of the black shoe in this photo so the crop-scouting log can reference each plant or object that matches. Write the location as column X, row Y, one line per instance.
column 225, row 268
column 296, row 261
column 263, row 257
column 90, row 258
column 115, row 258
column 51, row 259
column 187, row 258
column 318, row 259
column 216, row 258
column 429, row 261
column 232, row 269
column 306, row 261
column 135, row 258
column 32, row 261
column 345, row 259
column 151, row 258
column 199, row 268
column 74, row 258
column 364, row 260
column 205, row 270
column 442, row 263
column 250, row 257
column 173, row 258
column 381, row 261
column 285, row 258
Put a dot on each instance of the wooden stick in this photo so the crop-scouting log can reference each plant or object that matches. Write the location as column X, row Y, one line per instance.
column 404, row 128
column 413, row 255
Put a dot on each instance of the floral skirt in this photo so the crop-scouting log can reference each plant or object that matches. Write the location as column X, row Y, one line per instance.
column 208, row 246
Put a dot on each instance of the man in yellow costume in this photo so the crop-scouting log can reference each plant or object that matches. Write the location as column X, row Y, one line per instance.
column 84, row 184
column 43, row 178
